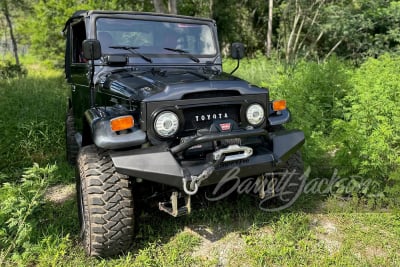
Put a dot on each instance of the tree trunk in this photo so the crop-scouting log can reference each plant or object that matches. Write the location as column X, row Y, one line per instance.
column 313, row 22
column 333, row 49
column 10, row 26
column 269, row 33
column 159, row 6
column 172, row 7
column 294, row 50
column 289, row 45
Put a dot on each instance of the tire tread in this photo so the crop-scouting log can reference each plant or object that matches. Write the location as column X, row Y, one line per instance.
column 108, row 204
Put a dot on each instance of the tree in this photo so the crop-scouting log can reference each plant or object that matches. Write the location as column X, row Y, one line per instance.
column 43, row 35
column 160, row 7
column 269, row 33
column 299, row 26
column 6, row 12
column 311, row 29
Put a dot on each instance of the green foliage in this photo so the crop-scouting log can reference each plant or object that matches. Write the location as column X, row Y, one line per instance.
column 32, row 120
column 315, row 93
column 350, row 117
column 367, row 28
column 259, row 71
column 20, row 201
column 290, row 231
column 199, row 8
column 235, row 26
column 301, row 28
column 176, row 252
column 48, row 42
column 9, row 70
column 32, row 126
column 368, row 138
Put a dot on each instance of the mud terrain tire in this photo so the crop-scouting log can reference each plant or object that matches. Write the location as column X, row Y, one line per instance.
column 72, row 146
column 289, row 186
column 105, row 204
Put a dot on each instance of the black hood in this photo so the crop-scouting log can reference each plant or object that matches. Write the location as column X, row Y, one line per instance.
column 156, row 85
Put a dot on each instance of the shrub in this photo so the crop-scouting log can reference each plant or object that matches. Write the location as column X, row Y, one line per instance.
column 10, row 70
column 368, row 138
column 315, row 94
column 259, row 71
column 20, row 201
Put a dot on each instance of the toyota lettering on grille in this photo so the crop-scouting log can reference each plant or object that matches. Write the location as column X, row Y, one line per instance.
column 213, row 116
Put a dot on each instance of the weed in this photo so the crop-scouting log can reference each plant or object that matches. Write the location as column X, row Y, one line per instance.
column 19, row 203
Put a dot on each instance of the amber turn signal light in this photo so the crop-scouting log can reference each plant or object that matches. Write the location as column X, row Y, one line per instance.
column 121, row 123
column 279, row 105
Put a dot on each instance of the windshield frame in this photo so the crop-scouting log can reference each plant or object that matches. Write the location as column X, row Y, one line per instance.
column 178, row 23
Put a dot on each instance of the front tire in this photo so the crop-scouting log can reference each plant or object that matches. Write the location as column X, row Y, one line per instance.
column 72, row 146
column 292, row 177
column 105, row 204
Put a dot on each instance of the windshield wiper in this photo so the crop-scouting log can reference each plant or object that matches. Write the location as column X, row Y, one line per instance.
column 183, row 52
column 132, row 50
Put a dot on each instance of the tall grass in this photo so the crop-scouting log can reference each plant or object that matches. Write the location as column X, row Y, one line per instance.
column 349, row 116
column 32, row 120
column 32, row 156
column 260, row 71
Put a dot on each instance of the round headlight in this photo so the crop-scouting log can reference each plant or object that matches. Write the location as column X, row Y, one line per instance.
column 166, row 124
column 255, row 114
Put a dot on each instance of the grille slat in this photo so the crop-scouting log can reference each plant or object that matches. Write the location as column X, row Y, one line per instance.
column 211, row 94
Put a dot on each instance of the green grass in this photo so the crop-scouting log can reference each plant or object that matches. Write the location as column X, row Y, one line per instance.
column 232, row 232
column 32, row 121
column 260, row 72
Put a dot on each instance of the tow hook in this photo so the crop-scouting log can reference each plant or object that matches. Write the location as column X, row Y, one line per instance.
column 196, row 181
column 186, row 190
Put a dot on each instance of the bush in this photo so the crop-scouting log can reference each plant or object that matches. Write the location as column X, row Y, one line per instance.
column 368, row 138
column 315, row 94
column 259, row 71
column 20, row 201
column 10, row 70
column 351, row 118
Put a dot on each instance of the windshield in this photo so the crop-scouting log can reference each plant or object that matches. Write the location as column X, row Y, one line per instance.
column 152, row 37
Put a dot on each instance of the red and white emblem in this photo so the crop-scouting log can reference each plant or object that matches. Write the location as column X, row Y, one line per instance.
column 225, row 126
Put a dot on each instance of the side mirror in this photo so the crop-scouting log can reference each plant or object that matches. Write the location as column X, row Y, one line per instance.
column 91, row 49
column 237, row 50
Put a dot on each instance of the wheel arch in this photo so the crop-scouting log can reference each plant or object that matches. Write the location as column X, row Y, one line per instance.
column 87, row 138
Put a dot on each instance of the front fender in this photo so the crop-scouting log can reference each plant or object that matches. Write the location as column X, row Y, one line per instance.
column 102, row 135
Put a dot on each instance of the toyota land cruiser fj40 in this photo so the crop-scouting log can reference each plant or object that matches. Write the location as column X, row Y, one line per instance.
column 151, row 108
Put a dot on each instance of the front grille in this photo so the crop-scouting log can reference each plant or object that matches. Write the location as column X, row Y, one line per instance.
column 202, row 117
column 211, row 94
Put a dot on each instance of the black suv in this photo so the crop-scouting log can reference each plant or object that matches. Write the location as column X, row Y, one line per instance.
column 152, row 112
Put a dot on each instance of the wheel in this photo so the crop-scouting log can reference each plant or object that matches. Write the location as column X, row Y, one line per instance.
column 293, row 171
column 105, row 204
column 72, row 146
column 285, row 184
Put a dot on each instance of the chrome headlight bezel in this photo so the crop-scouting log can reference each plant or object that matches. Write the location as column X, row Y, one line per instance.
column 255, row 114
column 162, row 127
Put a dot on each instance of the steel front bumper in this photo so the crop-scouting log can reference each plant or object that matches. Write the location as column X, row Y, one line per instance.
column 159, row 164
